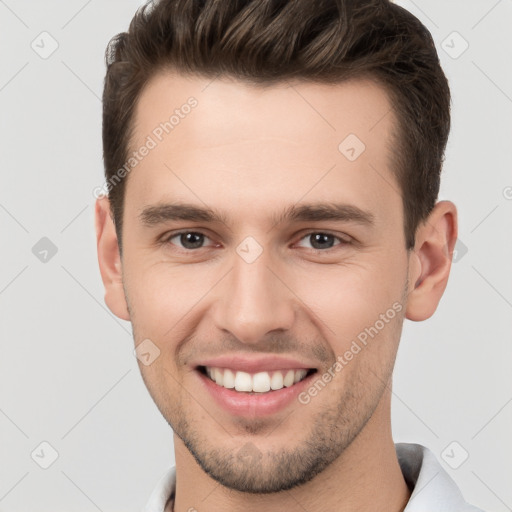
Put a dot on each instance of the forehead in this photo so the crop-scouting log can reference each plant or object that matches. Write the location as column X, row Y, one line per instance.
column 226, row 104
column 210, row 136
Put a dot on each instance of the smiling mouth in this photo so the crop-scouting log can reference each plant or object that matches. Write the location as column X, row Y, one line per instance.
column 255, row 383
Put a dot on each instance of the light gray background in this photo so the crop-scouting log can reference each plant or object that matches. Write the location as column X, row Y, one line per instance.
column 67, row 371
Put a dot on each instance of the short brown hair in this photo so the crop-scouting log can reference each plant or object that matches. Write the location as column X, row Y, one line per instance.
column 268, row 41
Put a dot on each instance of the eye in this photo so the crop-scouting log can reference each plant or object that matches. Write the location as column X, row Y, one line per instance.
column 193, row 240
column 321, row 241
column 188, row 240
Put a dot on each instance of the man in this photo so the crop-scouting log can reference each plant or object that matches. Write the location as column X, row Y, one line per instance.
column 272, row 170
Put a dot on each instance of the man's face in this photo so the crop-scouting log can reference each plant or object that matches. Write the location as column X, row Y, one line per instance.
column 259, row 291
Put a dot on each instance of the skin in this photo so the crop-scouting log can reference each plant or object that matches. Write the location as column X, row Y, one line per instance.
column 250, row 152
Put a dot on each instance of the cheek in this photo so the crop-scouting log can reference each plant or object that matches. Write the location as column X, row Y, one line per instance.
column 162, row 296
column 351, row 297
column 347, row 301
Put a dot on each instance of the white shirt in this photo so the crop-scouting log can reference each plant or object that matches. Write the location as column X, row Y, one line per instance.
column 433, row 490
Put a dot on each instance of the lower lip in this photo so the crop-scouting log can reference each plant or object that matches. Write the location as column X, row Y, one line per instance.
column 257, row 404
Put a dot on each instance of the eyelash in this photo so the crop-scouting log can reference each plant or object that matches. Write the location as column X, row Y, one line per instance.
column 342, row 242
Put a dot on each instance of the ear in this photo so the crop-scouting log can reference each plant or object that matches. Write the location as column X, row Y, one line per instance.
column 431, row 260
column 109, row 260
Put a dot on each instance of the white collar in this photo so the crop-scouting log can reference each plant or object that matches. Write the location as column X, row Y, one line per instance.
column 432, row 487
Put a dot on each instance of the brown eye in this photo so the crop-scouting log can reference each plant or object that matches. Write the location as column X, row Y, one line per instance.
column 319, row 240
column 189, row 240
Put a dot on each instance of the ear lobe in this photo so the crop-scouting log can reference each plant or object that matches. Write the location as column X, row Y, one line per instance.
column 109, row 260
column 432, row 259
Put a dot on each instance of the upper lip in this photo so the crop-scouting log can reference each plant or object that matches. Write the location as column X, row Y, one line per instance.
column 255, row 364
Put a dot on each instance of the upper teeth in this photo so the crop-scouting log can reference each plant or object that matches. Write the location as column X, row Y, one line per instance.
column 258, row 382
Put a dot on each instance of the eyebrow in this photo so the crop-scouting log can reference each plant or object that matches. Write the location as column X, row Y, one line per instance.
column 312, row 212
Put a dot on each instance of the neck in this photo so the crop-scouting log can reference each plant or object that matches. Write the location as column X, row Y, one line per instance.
column 366, row 477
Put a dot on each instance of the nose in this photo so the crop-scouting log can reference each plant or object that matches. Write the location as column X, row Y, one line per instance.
column 254, row 301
